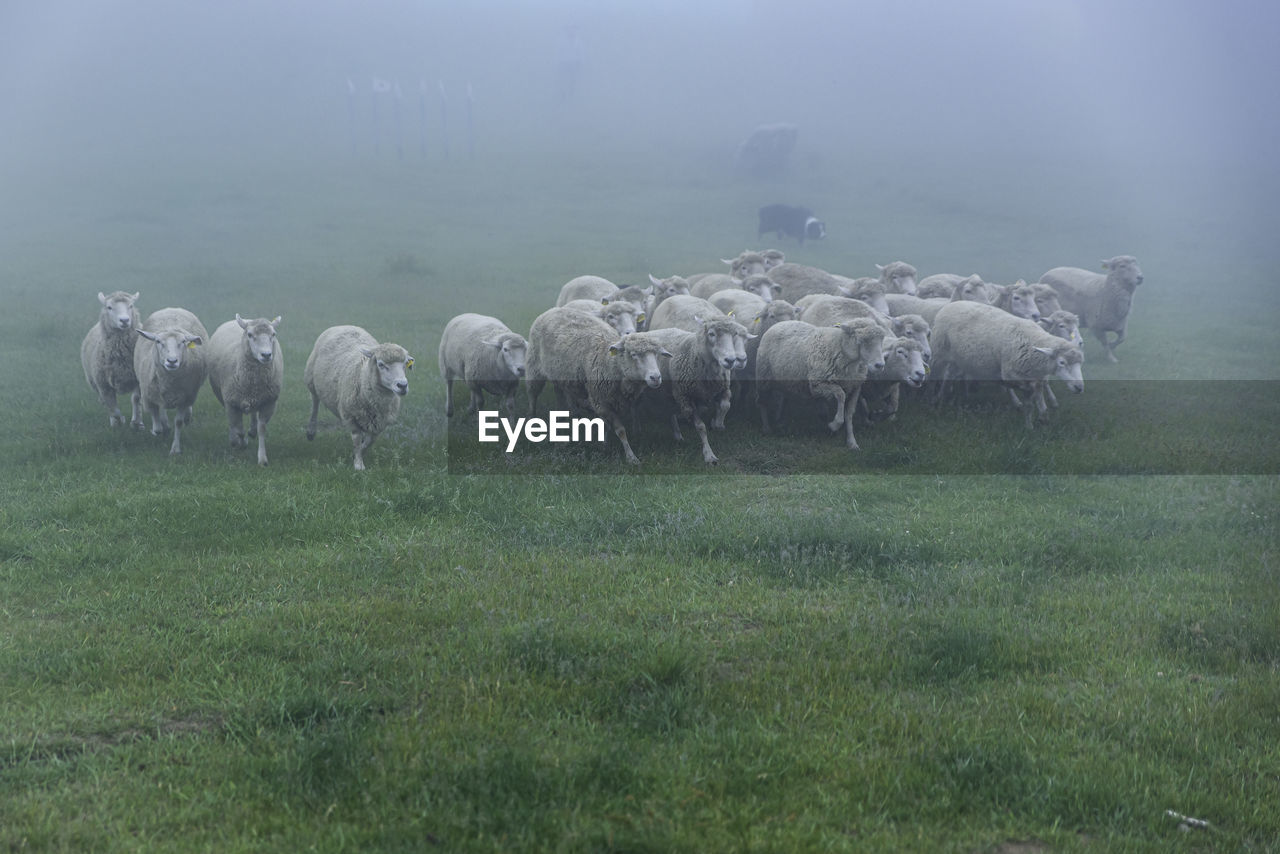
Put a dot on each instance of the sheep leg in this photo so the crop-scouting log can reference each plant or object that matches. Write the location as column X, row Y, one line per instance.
column 1013, row 394
column 534, row 388
column 849, row 409
column 176, row 447
column 263, row 416
column 477, row 398
column 315, row 412
column 235, row 427
column 722, row 409
column 159, row 420
column 183, row 416
column 708, row 456
column 135, row 419
column 108, row 399
column 834, row 392
column 1110, row 346
column 621, row 432
column 1049, row 395
column 675, row 428
column 360, row 440
column 448, row 395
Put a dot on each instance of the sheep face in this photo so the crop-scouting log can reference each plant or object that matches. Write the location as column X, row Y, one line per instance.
column 747, row 264
column 863, row 341
column 1046, row 299
column 1068, row 363
column 720, row 343
column 1022, row 301
column 259, row 338
column 973, row 289
column 914, row 327
column 775, row 312
column 869, row 291
column 622, row 316
column 171, row 347
column 1124, row 269
column 117, row 309
column 772, row 258
column 899, row 278
column 668, row 287
column 760, row 285
column 640, row 362
column 903, row 362
column 389, row 365
column 512, row 350
column 1064, row 325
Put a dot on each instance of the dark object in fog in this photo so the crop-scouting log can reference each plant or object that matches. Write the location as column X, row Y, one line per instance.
column 791, row 221
column 766, row 150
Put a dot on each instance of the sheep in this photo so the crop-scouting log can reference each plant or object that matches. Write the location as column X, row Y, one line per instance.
column 741, row 304
column 819, row 361
column 904, row 360
column 485, row 354
column 898, row 277
column 246, row 373
column 772, row 258
column 954, row 287
column 170, row 369
column 1064, row 325
column 1102, row 301
column 1018, row 299
column 662, row 288
column 358, row 380
column 757, row 316
column 758, row 284
column 603, row 291
column 798, row 280
column 870, row 291
column 748, row 263
column 621, row 314
column 698, row 373
column 586, row 361
column 106, row 354
column 983, row 342
column 827, row 310
column 901, row 304
column 680, row 312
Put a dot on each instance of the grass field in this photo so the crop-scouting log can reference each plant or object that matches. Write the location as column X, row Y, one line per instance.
column 965, row 637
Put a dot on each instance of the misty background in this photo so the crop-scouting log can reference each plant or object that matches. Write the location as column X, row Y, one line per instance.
column 1158, row 106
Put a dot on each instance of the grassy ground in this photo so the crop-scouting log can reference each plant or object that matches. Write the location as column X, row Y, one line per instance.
column 904, row 649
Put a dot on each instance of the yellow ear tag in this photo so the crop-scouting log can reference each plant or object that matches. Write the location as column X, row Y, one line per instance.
column 408, row 363
column 191, row 345
column 613, row 350
column 640, row 317
column 730, row 314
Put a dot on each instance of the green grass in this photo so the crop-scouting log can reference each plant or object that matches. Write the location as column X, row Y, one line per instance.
column 805, row 649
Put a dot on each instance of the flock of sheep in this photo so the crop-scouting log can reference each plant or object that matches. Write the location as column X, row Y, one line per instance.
column 765, row 332
column 769, row 330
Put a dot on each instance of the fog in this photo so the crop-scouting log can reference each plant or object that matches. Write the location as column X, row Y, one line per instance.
column 1176, row 99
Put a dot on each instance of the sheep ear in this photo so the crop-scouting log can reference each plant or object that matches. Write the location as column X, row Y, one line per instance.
column 102, row 298
column 408, row 363
column 493, row 342
column 244, row 324
column 135, row 296
column 604, row 300
column 193, row 341
column 615, row 349
column 727, row 261
column 665, row 352
column 366, row 352
column 1048, row 351
column 147, row 335
column 751, row 335
column 844, row 291
column 756, row 319
column 655, row 280
column 698, row 319
column 1106, row 265
column 775, row 287
column 1021, row 283
column 641, row 317
column 737, row 283
column 880, row 267
column 276, row 321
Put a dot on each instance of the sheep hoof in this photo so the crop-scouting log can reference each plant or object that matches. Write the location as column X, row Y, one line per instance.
column 834, row 426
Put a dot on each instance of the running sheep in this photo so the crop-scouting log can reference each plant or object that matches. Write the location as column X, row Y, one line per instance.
column 587, row 362
column 171, row 367
column 698, row 374
column 1018, row 299
column 982, row 342
column 485, row 354
column 106, row 355
column 601, row 290
column 831, row 362
column 1102, row 301
column 358, row 380
column 620, row 314
column 827, row 310
column 246, row 373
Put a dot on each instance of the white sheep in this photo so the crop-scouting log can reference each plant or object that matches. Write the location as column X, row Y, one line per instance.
column 601, row 290
column 1064, row 325
column 358, row 380
column 485, row 354
column 620, row 314
column 758, row 284
column 983, row 342
column 901, row 304
column 1018, row 299
column 799, row 280
column 1046, row 299
column 903, row 363
column 171, row 367
column 898, row 277
column 660, row 289
column 827, row 310
column 819, row 361
column 682, row 312
column 106, row 354
column 772, row 258
column 586, row 362
column 698, row 373
column 246, row 373
column 1102, row 301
